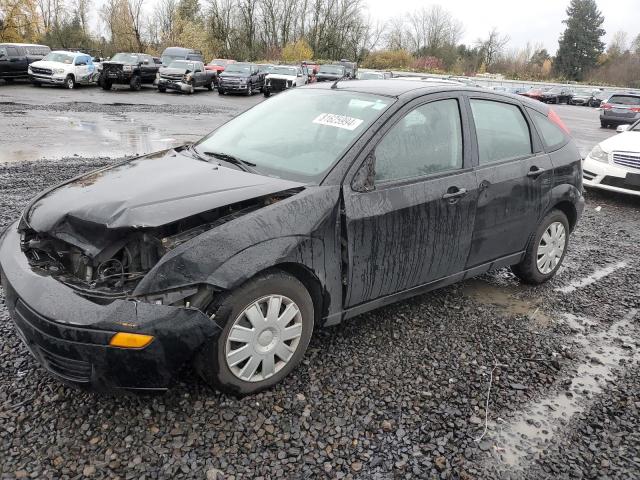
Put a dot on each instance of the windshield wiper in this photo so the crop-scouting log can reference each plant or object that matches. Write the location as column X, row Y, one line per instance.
column 244, row 164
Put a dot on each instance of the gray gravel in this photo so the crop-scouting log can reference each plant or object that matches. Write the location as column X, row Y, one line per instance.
column 397, row 393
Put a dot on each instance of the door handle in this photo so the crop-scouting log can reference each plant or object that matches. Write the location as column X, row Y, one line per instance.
column 454, row 193
column 535, row 171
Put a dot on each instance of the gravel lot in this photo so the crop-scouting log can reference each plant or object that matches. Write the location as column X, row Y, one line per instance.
column 397, row 393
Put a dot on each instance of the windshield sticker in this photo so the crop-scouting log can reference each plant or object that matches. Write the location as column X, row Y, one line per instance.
column 339, row 121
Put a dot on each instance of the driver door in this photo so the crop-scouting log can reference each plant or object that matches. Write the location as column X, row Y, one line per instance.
column 412, row 223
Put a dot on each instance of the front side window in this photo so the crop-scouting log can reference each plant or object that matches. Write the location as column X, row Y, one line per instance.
column 501, row 129
column 12, row 51
column 3, row 52
column 302, row 133
column 427, row 140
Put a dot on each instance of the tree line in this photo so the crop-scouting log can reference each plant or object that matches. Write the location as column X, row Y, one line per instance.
column 426, row 39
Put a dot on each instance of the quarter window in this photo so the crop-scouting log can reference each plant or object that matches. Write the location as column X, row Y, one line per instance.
column 427, row 140
column 552, row 136
column 501, row 129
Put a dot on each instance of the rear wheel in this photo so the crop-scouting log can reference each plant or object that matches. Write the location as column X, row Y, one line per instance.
column 546, row 250
column 266, row 327
column 604, row 124
column 106, row 84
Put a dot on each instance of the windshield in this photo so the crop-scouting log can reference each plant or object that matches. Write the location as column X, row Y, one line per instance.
column 302, row 132
column 238, row 68
column 59, row 57
column 182, row 65
column 285, row 71
column 218, row 61
column 370, row 75
column 125, row 58
column 333, row 69
column 584, row 91
column 167, row 59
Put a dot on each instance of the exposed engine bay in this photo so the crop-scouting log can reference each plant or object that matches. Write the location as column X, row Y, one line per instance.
column 118, row 259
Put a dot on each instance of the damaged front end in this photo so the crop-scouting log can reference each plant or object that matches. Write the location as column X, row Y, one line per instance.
column 103, row 264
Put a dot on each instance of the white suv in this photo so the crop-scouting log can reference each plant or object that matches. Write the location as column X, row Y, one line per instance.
column 64, row 68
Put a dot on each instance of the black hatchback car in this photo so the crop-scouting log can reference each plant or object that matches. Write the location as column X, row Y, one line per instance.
column 224, row 255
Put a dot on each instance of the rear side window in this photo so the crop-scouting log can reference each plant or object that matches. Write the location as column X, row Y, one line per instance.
column 552, row 135
column 501, row 129
column 624, row 99
column 427, row 140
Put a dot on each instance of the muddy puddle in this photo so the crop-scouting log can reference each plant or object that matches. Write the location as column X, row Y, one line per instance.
column 35, row 135
column 504, row 297
column 524, row 439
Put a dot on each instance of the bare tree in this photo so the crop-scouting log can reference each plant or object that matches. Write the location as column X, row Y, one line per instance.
column 492, row 46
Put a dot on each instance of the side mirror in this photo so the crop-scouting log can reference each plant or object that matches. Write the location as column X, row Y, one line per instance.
column 623, row 128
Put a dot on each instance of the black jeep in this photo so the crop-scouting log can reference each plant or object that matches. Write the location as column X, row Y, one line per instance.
column 131, row 69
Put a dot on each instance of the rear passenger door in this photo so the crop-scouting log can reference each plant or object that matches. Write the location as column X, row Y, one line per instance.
column 514, row 178
column 413, row 222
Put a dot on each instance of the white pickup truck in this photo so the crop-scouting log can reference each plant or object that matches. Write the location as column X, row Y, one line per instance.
column 64, row 68
column 282, row 77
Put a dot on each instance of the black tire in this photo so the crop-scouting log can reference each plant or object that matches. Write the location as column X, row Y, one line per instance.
column 70, row 83
column 135, row 83
column 267, row 93
column 220, row 91
column 8, row 80
column 527, row 270
column 106, row 85
column 604, row 124
column 249, row 89
column 210, row 362
column 210, row 86
column 36, row 84
column 162, row 89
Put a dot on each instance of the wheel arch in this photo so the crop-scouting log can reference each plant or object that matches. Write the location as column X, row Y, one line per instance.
column 569, row 210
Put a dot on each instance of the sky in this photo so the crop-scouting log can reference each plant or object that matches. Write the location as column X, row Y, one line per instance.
column 534, row 21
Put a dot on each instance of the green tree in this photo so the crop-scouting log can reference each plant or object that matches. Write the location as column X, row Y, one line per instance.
column 581, row 43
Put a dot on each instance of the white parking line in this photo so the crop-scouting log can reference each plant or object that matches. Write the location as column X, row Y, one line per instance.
column 594, row 277
column 540, row 421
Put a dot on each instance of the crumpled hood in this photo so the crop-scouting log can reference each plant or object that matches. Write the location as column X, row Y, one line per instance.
column 173, row 71
column 148, row 191
column 278, row 76
column 48, row 64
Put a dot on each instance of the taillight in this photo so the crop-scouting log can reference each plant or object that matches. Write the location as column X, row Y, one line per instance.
column 635, row 109
column 553, row 116
column 606, row 106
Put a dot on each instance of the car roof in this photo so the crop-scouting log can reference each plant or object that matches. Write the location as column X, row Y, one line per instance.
column 410, row 88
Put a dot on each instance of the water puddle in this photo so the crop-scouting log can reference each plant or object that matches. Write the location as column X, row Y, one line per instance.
column 35, row 135
column 503, row 297
column 605, row 351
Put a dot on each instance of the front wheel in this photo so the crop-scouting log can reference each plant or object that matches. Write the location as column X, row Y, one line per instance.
column 210, row 86
column 249, row 90
column 70, row 83
column 136, row 83
column 220, row 91
column 266, row 327
column 546, row 250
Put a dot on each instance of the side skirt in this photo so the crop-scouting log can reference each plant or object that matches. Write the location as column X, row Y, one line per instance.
column 336, row 318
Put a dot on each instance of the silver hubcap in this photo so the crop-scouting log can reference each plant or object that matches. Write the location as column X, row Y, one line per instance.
column 263, row 338
column 551, row 247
